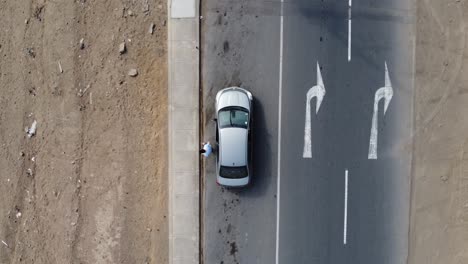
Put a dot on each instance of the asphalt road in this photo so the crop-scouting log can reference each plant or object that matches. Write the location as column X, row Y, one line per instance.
column 312, row 190
column 311, row 203
column 240, row 44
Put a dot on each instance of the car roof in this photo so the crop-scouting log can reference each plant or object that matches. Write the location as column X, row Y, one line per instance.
column 233, row 146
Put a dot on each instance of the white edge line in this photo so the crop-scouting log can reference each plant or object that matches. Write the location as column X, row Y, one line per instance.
column 280, row 91
column 345, row 222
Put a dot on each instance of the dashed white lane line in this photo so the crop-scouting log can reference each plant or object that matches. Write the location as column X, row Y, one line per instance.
column 350, row 3
column 280, row 88
column 349, row 39
column 345, row 220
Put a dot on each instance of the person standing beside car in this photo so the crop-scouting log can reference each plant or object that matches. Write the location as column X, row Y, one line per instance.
column 206, row 149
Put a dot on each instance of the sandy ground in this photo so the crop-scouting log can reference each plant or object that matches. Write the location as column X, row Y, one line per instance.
column 439, row 214
column 91, row 185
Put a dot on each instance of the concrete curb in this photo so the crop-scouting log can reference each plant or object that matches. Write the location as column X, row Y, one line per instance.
column 183, row 131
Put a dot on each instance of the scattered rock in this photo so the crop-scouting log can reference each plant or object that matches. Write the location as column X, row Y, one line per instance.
column 151, row 29
column 444, row 178
column 32, row 130
column 32, row 91
column 21, row 153
column 60, row 67
column 26, row 21
column 30, row 172
column 39, row 12
column 82, row 45
column 122, row 48
column 81, row 92
column 129, row 13
column 31, row 52
column 145, row 8
column 133, row 72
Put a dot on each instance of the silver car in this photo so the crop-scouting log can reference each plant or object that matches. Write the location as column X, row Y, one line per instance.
column 233, row 118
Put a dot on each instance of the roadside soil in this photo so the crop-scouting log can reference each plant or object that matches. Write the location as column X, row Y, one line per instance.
column 91, row 185
column 439, row 209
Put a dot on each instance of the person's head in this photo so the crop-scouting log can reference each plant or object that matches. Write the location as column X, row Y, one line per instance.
column 202, row 151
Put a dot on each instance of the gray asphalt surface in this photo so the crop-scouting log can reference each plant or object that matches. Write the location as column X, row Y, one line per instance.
column 240, row 48
column 312, row 190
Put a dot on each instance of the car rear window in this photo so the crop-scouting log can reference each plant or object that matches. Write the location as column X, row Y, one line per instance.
column 233, row 172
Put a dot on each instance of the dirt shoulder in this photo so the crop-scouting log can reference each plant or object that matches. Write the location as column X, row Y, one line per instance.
column 91, row 185
column 439, row 214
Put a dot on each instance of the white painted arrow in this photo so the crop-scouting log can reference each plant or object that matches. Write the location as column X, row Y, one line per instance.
column 317, row 91
column 386, row 93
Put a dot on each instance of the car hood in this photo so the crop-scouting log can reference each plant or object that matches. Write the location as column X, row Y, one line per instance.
column 233, row 146
column 234, row 97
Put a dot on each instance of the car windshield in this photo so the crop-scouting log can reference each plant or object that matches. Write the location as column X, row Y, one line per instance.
column 233, row 172
column 233, row 117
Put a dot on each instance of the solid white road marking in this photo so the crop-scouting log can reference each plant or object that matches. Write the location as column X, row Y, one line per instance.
column 317, row 91
column 345, row 223
column 386, row 93
column 280, row 92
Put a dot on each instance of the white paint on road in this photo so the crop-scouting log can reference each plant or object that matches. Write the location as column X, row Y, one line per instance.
column 317, row 91
column 385, row 93
column 280, row 92
column 349, row 39
column 345, row 222
column 350, row 3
